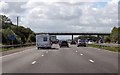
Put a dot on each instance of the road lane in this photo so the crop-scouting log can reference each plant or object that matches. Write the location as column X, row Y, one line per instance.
column 104, row 60
column 17, row 61
column 61, row 60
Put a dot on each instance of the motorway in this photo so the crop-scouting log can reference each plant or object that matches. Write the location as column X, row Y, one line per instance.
column 61, row 60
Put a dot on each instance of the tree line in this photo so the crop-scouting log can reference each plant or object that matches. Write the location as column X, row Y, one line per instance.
column 113, row 38
column 26, row 35
column 22, row 35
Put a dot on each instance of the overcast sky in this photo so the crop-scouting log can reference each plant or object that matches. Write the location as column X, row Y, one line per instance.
column 63, row 15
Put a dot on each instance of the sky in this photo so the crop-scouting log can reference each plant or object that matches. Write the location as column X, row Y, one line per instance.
column 63, row 15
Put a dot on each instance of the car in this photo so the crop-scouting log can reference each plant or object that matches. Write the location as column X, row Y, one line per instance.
column 73, row 42
column 59, row 42
column 90, row 42
column 63, row 44
column 81, row 43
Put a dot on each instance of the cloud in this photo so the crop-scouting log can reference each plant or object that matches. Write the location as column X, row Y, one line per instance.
column 67, row 16
column 3, row 5
column 53, row 1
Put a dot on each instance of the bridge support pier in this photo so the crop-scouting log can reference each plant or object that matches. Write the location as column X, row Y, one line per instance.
column 102, row 39
column 98, row 38
column 72, row 37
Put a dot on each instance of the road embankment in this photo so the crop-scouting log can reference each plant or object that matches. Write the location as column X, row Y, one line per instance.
column 9, row 49
column 16, row 50
column 114, row 48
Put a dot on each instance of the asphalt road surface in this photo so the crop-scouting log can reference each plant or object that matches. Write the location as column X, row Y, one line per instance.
column 61, row 60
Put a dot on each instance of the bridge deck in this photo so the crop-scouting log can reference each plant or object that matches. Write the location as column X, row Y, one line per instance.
column 75, row 33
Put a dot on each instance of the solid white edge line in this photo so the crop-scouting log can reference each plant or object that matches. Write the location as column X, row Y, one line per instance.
column 14, row 53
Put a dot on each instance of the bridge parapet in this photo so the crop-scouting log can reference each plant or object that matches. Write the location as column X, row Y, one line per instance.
column 68, row 33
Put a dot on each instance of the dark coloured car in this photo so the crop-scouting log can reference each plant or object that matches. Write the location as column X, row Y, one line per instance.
column 63, row 44
column 81, row 43
column 73, row 42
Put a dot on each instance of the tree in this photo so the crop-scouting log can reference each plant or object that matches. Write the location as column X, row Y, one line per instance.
column 118, row 35
column 5, row 35
column 5, row 21
column 31, row 38
column 94, row 38
column 114, row 35
column 107, row 39
column 21, row 33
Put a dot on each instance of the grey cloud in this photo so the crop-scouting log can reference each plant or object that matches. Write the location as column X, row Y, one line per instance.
column 63, row 16
column 14, row 6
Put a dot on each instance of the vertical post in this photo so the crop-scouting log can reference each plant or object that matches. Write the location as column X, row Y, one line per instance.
column 12, row 42
column 98, row 38
column 102, row 39
column 72, row 37
column 17, row 20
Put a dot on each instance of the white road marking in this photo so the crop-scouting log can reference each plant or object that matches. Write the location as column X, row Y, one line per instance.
column 91, row 61
column 33, row 62
column 81, row 54
column 42, row 55
column 76, row 51
column 15, row 53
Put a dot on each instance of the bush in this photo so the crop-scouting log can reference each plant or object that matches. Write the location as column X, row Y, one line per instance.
column 31, row 38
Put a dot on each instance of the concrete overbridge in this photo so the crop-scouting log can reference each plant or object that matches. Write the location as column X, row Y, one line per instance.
column 50, row 33
column 72, row 34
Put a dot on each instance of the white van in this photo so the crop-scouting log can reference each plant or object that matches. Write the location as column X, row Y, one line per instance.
column 43, row 41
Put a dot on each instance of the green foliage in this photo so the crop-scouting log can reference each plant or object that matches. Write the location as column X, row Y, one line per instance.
column 107, row 39
column 5, row 34
column 110, row 48
column 114, row 35
column 31, row 38
column 94, row 38
column 119, row 35
column 5, row 21
column 113, row 38
column 22, row 34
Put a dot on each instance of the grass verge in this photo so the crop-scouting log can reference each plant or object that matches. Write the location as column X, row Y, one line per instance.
column 110, row 48
column 7, row 49
column 12, row 48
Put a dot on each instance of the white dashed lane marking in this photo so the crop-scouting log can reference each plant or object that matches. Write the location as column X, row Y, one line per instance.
column 33, row 62
column 91, row 61
column 42, row 55
column 81, row 54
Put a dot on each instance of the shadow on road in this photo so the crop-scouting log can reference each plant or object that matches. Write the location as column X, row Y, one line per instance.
column 49, row 48
column 65, row 47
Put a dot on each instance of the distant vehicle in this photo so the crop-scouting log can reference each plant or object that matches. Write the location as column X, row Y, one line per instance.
column 81, row 43
column 53, row 39
column 59, row 42
column 73, row 42
column 43, row 41
column 90, row 42
column 63, row 44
